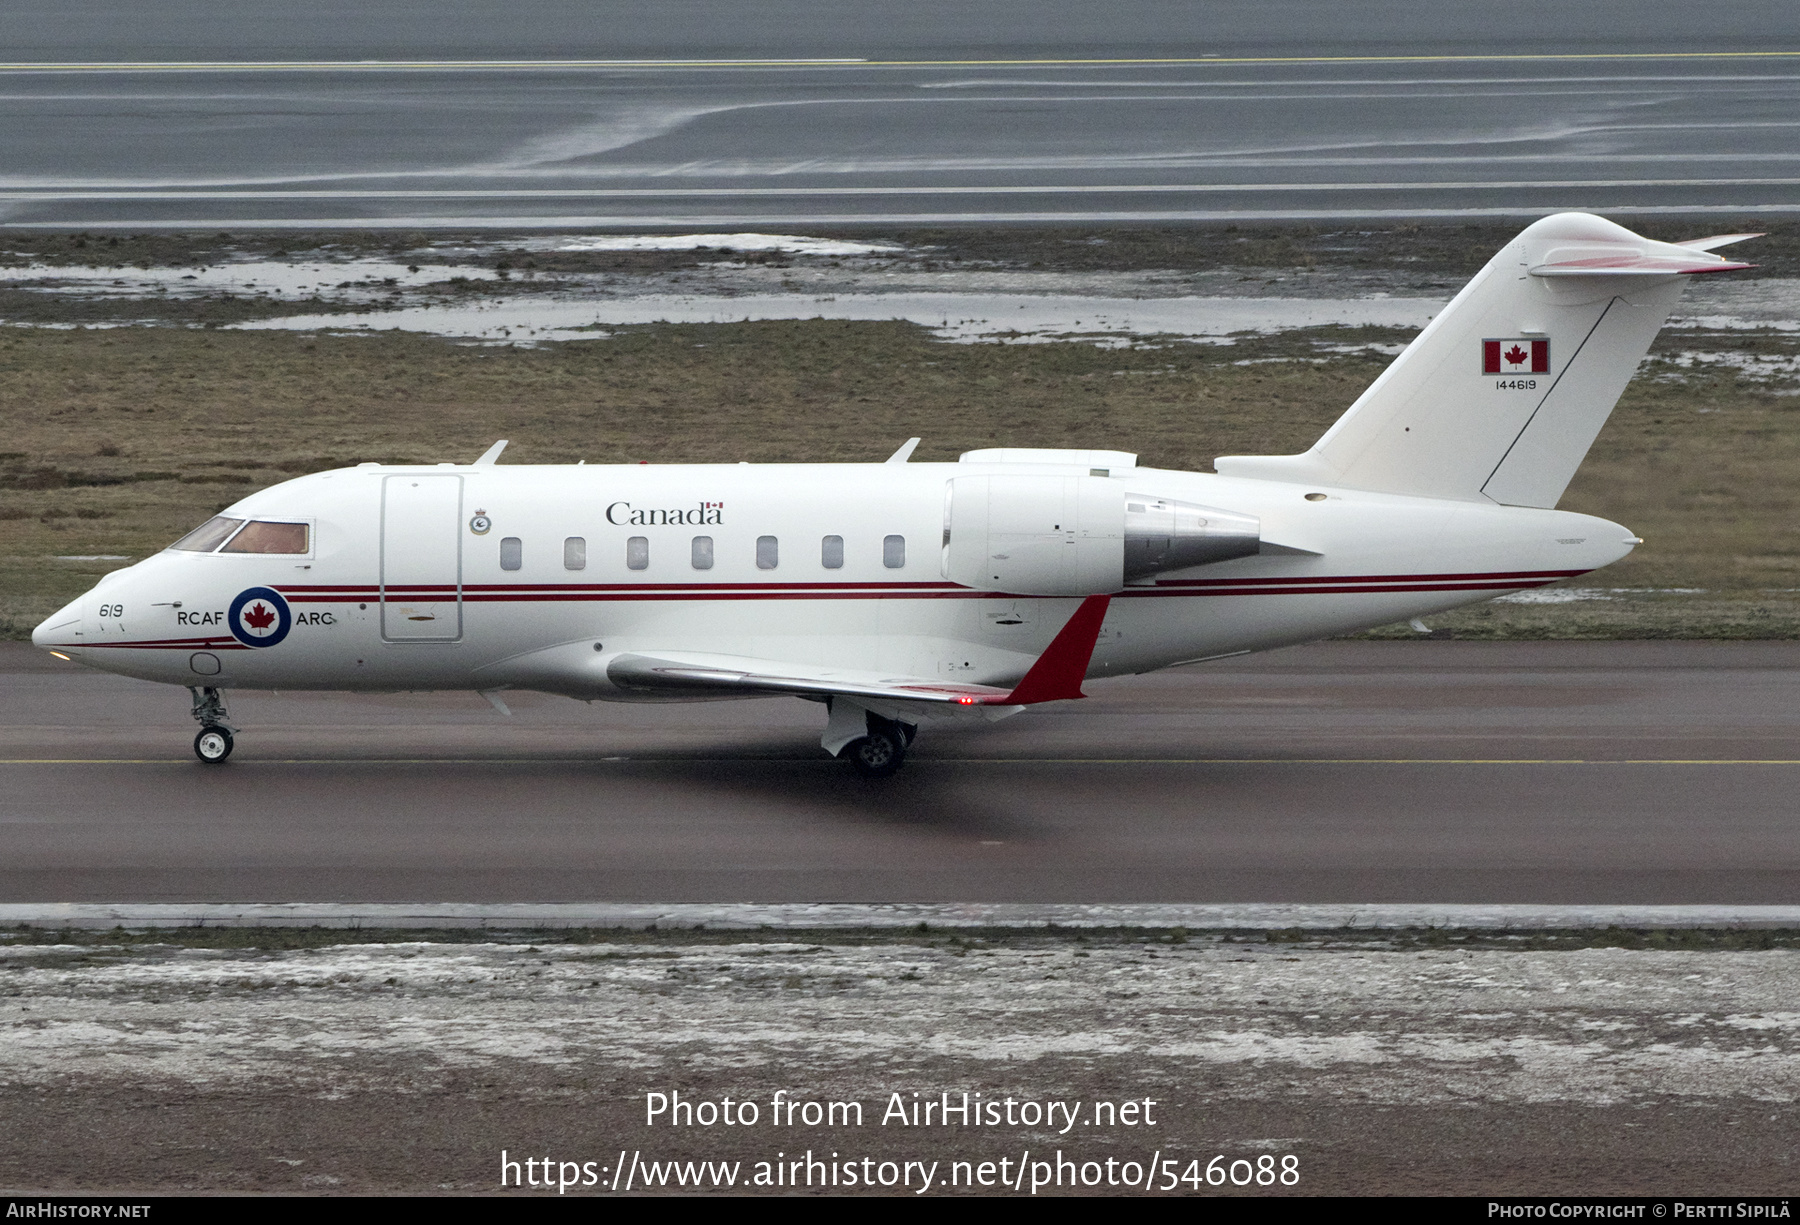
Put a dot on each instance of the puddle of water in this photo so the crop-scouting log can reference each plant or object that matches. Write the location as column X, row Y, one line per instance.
column 1574, row 595
column 956, row 317
column 274, row 279
column 789, row 243
column 1734, row 323
column 1556, row 595
column 1734, row 305
column 1756, row 365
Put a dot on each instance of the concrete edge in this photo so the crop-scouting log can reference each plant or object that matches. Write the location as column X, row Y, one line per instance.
column 751, row 916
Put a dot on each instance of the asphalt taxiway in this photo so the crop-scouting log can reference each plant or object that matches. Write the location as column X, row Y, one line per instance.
column 1610, row 773
column 721, row 115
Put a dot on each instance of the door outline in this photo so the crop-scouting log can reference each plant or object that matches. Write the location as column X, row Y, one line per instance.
column 382, row 560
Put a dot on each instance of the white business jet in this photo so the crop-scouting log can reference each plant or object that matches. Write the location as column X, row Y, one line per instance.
column 896, row 592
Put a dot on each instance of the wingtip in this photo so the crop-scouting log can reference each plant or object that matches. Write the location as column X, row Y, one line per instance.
column 905, row 451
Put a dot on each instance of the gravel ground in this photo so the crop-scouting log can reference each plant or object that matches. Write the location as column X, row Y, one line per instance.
column 1378, row 1064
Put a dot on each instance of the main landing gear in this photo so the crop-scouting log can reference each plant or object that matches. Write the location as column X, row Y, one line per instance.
column 883, row 751
column 213, row 744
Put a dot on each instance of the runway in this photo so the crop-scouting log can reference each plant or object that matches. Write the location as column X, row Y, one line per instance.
column 1604, row 773
column 1046, row 116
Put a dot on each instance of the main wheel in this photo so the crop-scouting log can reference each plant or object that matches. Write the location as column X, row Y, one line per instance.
column 212, row 745
column 878, row 754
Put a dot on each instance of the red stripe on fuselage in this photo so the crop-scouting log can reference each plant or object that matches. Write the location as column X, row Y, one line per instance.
column 553, row 593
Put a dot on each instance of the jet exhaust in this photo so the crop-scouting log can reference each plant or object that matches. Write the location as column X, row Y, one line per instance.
column 1163, row 535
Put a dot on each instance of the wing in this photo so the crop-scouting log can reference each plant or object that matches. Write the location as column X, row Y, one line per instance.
column 1056, row 675
column 701, row 673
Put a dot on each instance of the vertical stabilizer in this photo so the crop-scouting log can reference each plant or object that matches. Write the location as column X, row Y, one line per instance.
column 1499, row 398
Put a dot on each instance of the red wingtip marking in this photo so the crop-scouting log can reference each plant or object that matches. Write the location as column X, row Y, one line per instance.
column 1059, row 671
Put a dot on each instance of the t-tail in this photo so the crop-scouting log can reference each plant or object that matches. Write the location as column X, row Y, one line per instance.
column 1501, row 395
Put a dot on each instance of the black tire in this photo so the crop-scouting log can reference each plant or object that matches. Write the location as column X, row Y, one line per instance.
column 212, row 745
column 877, row 755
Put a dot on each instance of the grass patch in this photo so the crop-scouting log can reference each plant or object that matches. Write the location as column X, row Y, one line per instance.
column 1433, row 247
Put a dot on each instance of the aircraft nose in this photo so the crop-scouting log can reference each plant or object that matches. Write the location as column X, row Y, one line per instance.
column 61, row 628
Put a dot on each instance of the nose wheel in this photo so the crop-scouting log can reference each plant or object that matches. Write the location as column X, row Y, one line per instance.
column 213, row 744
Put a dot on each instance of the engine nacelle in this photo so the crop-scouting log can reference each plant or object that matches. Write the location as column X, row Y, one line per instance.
column 1078, row 535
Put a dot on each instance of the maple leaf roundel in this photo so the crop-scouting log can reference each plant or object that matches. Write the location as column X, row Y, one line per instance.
column 259, row 617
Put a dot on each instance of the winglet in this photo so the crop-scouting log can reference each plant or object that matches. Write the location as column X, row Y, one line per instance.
column 492, row 454
column 904, row 453
column 1062, row 667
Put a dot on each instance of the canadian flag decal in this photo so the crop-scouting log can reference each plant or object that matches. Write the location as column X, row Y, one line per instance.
column 1520, row 356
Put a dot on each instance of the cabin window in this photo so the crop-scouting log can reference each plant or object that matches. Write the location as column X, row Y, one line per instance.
column 637, row 553
column 512, row 550
column 893, row 552
column 768, row 553
column 259, row 537
column 208, row 536
column 703, row 552
column 831, row 552
column 575, row 553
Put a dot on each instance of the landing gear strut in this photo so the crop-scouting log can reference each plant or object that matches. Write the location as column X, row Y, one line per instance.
column 213, row 744
column 882, row 751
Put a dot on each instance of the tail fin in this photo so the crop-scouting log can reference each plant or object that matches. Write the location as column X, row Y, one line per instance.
column 1501, row 395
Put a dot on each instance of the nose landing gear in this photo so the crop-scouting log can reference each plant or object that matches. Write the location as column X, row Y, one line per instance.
column 213, row 744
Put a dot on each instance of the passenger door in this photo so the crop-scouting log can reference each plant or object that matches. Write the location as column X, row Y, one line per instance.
column 421, row 558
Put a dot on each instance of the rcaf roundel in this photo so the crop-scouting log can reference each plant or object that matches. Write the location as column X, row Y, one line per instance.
column 1522, row 356
column 259, row 617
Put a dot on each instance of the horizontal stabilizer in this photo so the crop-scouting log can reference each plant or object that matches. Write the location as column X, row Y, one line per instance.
column 1717, row 240
column 1634, row 263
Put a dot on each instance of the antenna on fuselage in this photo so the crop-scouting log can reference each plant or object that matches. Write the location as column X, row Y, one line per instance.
column 492, row 454
column 904, row 453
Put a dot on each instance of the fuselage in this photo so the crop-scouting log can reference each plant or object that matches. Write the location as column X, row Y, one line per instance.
column 486, row 576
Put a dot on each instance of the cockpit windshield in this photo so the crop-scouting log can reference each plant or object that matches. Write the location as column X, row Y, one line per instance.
column 261, row 537
column 255, row 536
column 208, row 536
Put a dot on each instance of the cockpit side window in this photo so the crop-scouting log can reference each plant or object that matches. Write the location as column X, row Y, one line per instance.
column 208, row 536
column 260, row 537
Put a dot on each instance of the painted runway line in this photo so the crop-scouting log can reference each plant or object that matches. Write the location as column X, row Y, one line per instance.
column 606, row 65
